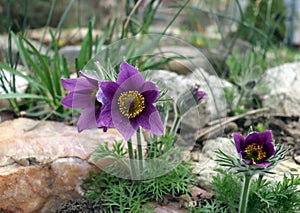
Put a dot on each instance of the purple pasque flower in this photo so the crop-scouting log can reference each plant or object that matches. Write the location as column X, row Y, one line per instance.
column 256, row 148
column 130, row 103
column 198, row 93
column 83, row 92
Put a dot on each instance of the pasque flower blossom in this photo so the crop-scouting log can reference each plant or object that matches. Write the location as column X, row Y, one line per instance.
column 83, row 92
column 256, row 148
column 130, row 103
column 198, row 93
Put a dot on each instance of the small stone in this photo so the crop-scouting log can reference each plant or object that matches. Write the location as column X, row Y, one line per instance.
column 297, row 159
column 183, row 66
column 231, row 127
column 195, row 156
column 200, row 193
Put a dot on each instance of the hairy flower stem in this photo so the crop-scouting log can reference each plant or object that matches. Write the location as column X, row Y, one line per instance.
column 131, row 159
column 140, row 150
column 245, row 194
column 176, row 122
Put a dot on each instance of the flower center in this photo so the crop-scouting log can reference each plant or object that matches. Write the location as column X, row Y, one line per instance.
column 131, row 103
column 255, row 153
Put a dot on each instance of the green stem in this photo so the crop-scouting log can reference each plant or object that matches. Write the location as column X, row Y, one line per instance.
column 238, row 103
column 176, row 122
column 140, row 150
column 245, row 194
column 175, row 16
column 131, row 159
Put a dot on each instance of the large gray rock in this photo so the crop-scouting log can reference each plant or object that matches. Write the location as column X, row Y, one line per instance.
column 204, row 160
column 42, row 167
column 189, row 58
column 283, row 82
column 213, row 106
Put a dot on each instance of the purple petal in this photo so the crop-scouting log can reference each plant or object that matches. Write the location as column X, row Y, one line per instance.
column 92, row 81
column 266, row 136
column 260, row 138
column 253, row 138
column 263, row 164
column 239, row 142
column 120, row 122
column 68, row 100
column 101, row 97
column 126, row 71
column 78, row 84
column 270, row 149
column 143, row 118
column 84, row 84
column 148, row 85
column 69, row 84
column 106, row 118
column 200, row 95
column 99, row 120
column 109, row 89
column 243, row 154
column 246, row 161
column 87, row 119
column 127, row 127
column 123, row 125
column 150, row 120
column 134, row 123
column 150, row 96
column 150, row 92
column 157, row 127
column 134, row 82
column 78, row 100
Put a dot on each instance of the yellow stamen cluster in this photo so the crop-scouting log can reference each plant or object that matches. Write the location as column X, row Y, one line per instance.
column 255, row 153
column 131, row 103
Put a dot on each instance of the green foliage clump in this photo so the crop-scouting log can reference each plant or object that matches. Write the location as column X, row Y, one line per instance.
column 228, row 187
column 209, row 207
column 245, row 73
column 263, row 21
column 124, row 195
column 264, row 195
column 117, row 194
column 43, row 72
column 271, row 196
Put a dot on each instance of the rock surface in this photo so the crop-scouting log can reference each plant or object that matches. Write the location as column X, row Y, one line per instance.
column 67, row 36
column 283, row 82
column 213, row 106
column 204, row 160
column 191, row 59
column 42, row 167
